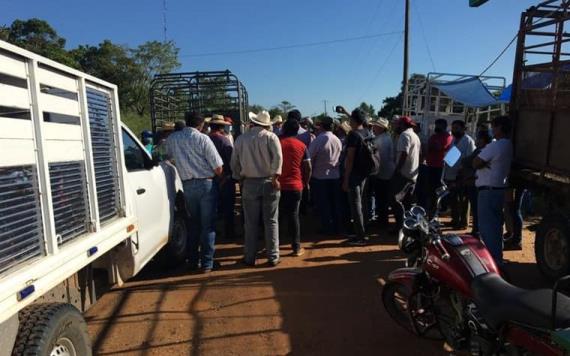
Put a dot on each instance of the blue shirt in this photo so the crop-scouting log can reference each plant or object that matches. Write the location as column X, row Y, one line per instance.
column 194, row 154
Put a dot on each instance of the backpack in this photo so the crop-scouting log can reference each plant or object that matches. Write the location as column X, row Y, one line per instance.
column 370, row 156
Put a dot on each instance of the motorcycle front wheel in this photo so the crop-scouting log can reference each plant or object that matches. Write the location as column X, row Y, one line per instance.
column 410, row 310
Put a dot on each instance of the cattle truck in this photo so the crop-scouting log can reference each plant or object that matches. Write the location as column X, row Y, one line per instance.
column 83, row 206
column 540, row 109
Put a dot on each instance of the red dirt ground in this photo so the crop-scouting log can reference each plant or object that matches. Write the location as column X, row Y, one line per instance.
column 326, row 302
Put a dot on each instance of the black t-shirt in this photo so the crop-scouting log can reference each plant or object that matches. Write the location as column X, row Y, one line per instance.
column 355, row 139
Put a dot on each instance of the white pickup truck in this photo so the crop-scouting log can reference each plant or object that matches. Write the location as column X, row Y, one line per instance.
column 79, row 195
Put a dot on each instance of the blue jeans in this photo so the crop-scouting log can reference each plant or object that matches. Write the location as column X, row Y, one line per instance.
column 328, row 198
column 201, row 199
column 260, row 199
column 490, row 210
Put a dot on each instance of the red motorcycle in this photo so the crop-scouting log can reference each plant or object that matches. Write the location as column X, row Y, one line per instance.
column 452, row 288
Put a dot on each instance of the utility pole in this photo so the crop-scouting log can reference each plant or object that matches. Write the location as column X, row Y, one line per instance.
column 325, row 101
column 406, row 53
column 164, row 20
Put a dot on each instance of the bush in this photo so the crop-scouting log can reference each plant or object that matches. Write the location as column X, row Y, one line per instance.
column 135, row 122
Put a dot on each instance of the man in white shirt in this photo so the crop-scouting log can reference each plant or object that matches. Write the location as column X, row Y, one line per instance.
column 458, row 198
column 493, row 167
column 385, row 149
column 407, row 166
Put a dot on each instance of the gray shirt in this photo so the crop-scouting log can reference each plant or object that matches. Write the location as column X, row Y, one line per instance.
column 257, row 154
column 194, row 154
column 325, row 153
column 385, row 148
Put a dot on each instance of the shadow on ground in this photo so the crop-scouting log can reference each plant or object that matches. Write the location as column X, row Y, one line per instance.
column 325, row 303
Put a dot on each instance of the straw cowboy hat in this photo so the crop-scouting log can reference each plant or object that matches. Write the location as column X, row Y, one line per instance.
column 218, row 120
column 277, row 119
column 263, row 118
column 345, row 126
column 382, row 122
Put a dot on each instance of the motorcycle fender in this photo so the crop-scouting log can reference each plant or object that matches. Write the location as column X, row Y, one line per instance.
column 408, row 276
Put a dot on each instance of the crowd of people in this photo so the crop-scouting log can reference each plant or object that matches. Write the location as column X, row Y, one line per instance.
column 354, row 172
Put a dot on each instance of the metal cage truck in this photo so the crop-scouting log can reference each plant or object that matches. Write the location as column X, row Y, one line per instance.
column 81, row 201
column 540, row 108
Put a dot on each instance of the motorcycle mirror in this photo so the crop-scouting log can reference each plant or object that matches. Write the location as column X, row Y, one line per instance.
column 452, row 156
column 418, row 211
column 441, row 191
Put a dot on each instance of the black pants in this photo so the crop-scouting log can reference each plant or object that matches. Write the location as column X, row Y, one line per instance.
column 472, row 194
column 382, row 195
column 289, row 214
column 459, row 204
column 328, row 199
column 434, row 182
column 401, row 196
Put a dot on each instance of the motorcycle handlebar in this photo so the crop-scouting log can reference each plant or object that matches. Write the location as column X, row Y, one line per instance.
column 439, row 246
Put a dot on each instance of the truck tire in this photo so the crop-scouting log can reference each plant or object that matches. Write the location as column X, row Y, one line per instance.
column 175, row 252
column 552, row 247
column 52, row 329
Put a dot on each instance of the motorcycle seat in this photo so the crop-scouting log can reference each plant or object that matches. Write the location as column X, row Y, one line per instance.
column 500, row 302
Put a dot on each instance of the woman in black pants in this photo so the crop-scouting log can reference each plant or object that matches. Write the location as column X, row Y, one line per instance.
column 294, row 177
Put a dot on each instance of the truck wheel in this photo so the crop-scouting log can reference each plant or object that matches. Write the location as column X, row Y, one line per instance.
column 175, row 251
column 552, row 247
column 52, row 329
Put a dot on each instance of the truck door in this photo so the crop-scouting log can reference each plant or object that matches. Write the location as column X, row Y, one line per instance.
column 148, row 186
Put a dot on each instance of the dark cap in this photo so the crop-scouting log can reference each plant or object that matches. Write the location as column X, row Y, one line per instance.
column 326, row 121
column 294, row 115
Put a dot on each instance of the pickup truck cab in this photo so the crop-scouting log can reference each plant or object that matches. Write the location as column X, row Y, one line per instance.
column 79, row 195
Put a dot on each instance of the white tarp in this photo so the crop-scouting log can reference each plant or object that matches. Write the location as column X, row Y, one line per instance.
column 470, row 92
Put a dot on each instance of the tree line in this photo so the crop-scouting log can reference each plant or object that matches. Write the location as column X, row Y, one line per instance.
column 131, row 69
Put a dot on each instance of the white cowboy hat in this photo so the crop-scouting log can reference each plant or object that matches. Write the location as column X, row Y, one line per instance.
column 277, row 119
column 345, row 126
column 382, row 122
column 263, row 118
column 218, row 120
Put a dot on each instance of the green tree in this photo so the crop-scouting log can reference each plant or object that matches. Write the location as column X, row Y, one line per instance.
column 392, row 105
column 112, row 63
column 39, row 37
column 285, row 106
column 255, row 108
column 274, row 111
column 150, row 58
column 4, row 32
column 368, row 108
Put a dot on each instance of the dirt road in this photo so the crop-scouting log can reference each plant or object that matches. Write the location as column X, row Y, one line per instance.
column 323, row 303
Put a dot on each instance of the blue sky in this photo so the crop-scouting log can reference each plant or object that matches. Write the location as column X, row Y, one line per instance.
column 461, row 40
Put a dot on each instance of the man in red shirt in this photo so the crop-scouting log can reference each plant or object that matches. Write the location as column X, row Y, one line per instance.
column 438, row 144
column 295, row 175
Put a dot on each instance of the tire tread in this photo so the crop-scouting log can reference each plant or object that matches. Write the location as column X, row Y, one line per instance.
column 34, row 320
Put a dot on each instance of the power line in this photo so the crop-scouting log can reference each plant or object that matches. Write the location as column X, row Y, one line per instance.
column 500, row 55
column 300, row 45
column 422, row 30
column 381, row 68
